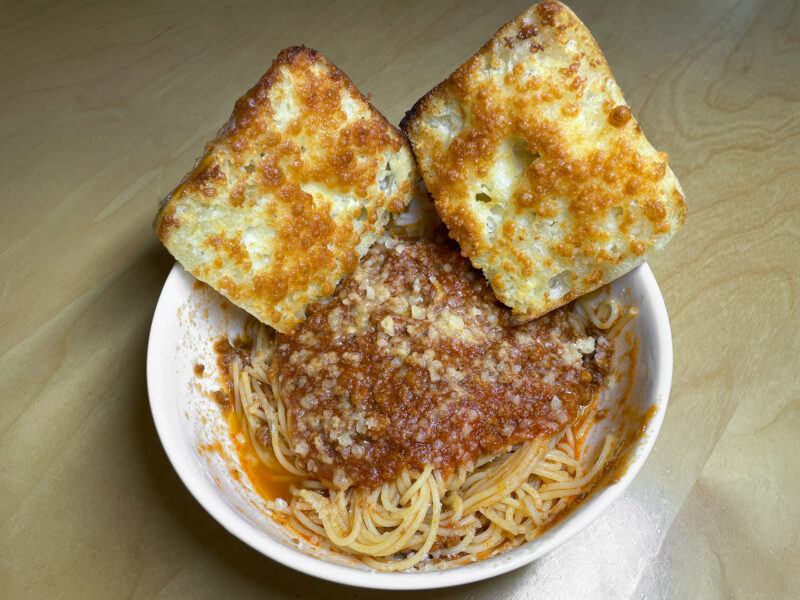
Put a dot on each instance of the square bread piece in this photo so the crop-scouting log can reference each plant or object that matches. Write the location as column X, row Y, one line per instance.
column 538, row 168
column 295, row 188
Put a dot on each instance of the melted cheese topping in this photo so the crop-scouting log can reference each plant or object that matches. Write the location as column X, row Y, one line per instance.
column 538, row 168
column 292, row 192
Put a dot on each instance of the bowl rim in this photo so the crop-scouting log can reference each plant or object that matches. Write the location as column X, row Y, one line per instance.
column 210, row 498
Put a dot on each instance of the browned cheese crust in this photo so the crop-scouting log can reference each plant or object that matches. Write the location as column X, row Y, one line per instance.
column 413, row 362
column 292, row 191
column 537, row 166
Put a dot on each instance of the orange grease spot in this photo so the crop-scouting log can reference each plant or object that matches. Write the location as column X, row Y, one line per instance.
column 269, row 484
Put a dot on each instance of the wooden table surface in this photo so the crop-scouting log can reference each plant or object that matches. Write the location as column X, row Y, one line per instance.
column 104, row 106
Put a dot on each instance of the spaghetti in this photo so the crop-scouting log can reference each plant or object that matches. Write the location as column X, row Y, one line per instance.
column 429, row 517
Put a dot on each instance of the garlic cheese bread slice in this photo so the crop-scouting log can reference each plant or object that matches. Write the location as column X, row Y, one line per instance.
column 294, row 189
column 537, row 166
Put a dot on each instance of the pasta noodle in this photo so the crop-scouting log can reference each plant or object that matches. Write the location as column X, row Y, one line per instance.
column 423, row 519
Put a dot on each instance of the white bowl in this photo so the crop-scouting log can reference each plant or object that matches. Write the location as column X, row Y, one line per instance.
column 191, row 427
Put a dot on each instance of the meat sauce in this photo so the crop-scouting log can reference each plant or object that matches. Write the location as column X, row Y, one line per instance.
column 413, row 362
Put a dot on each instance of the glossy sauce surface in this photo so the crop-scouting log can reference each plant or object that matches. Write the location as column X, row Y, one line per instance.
column 269, row 484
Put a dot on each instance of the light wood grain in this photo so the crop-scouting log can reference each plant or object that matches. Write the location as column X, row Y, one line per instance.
column 104, row 105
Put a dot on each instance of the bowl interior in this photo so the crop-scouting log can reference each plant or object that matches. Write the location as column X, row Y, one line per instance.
column 190, row 317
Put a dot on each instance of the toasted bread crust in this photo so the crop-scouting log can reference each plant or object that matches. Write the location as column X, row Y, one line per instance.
column 294, row 188
column 537, row 166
